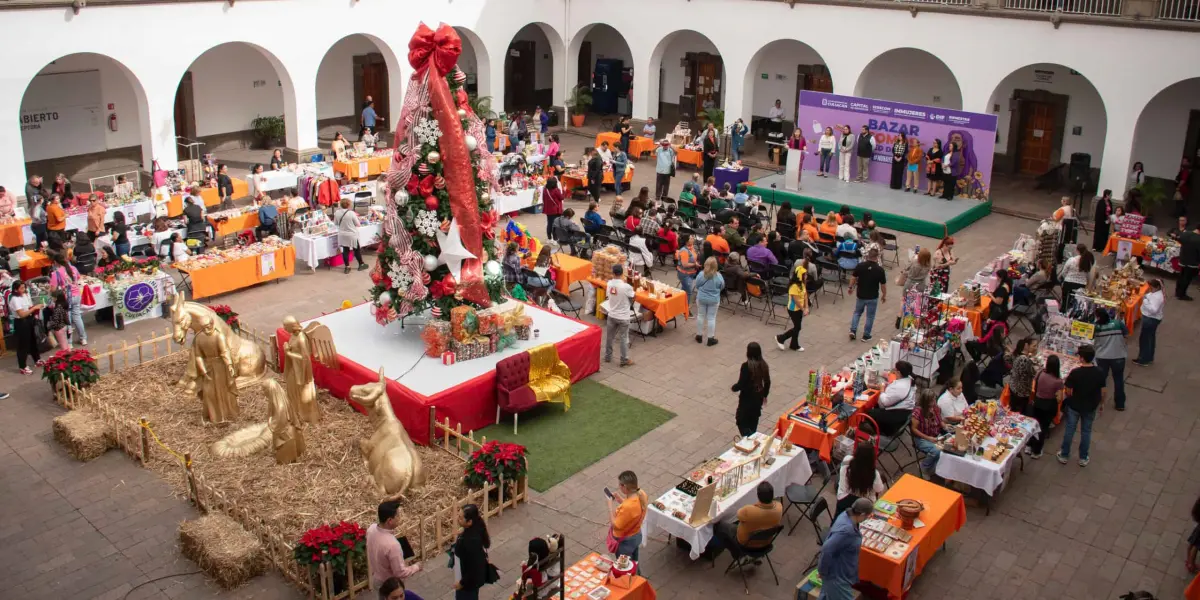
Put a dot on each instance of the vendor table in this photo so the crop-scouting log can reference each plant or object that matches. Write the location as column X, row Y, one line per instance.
column 977, row 315
column 944, row 514
column 32, row 264
column 807, row 435
column 664, row 309
column 786, row 470
column 1139, row 245
column 924, row 362
column 527, row 198
column 639, row 588
column 689, row 157
column 13, row 235
column 79, row 221
column 269, row 181
column 638, row 145
column 981, row 473
column 731, row 176
column 242, row 273
column 99, row 294
column 241, row 189
column 234, row 225
column 362, row 168
column 569, row 270
column 570, row 182
column 311, row 250
column 1133, row 307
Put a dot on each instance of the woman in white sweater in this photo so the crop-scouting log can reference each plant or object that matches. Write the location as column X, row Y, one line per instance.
column 897, row 401
column 827, row 145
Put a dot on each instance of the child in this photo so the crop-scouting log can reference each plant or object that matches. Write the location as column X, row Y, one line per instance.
column 58, row 320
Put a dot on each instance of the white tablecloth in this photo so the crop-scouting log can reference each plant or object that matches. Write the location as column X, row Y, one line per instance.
column 79, row 222
column 313, row 249
column 163, row 280
column 924, row 362
column 978, row 472
column 527, row 198
column 269, row 181
column 785, row 471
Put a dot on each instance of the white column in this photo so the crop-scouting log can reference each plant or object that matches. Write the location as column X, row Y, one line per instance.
column 300, row 108
column 645, row 88
column 1118, row 147
column 12, row 159
column 493, row 79
column 158, row 140
column 736, row 94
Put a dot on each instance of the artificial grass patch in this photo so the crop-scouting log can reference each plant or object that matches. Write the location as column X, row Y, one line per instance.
column 560, row 444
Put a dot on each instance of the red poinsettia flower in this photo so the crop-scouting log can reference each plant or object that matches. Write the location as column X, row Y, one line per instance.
column 426, row 186
column 442, row 288
column 480, row 468
column 413, row 185
column 488, row 221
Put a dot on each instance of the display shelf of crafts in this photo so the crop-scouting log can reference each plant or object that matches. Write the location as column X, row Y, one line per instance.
column 928, row 332
column 1120, row 292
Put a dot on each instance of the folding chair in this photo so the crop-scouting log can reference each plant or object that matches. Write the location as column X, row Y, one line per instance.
column 565, row 303
column 805, row 496
column 890, row 244
column 778, row 298
column 787, row 230
column 757, row 289
column 744, row 556
column 892, row 444
column 830, row 273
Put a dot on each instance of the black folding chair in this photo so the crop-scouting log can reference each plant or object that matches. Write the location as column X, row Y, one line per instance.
column 830, row 273
column 757, row 289
column 890, row 244
column 805, row 496
column 787, row 230
column 744, row 556
column 565, row 303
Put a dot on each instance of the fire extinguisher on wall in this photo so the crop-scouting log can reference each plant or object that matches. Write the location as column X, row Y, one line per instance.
column 112, row 121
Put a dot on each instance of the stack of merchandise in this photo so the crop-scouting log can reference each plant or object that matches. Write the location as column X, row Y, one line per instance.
column 1045, row 241
column 217, row 256
column 1162, row 254
column 225, row 215
column 681, row 135
column 603, row 261
column 471, row 333
column 315, row 223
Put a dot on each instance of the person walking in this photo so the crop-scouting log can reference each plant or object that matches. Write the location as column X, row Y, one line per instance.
column 385, row 558
column 66, row 277
column 469, row 557
column 871, row 282
column 797, row 306
column 620, row 314
column 595, row 172
column 826, row 145
column 686, row 265
column 1109, row 341
column 737, row 138
column 24, row 313
column 552, row 204
column 752, row 387
column 620, row 162
column 1047, row 394
column 838, row 564
column 912, row 178
column 347, row 228
column 664, row 168
column 899, row 161
column 1152, row 315
column 1189, row 262
column 709, row 285
column 1084, row 391
column 846, row 146
column 865, row 150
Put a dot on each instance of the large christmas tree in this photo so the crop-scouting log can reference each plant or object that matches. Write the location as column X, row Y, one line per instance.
column 439, row 228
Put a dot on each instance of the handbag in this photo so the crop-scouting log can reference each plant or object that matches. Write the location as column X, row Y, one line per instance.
column 491, row 573
column 611, row 543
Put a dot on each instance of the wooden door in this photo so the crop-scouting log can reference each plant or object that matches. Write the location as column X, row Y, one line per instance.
column 519, row 80
column 371, row 79
column 708, row 81
column 1036, row 142
column 585, row 64
column 185, row 112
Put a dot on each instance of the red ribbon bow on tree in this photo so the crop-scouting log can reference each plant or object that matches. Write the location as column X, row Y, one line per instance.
column 440, row 49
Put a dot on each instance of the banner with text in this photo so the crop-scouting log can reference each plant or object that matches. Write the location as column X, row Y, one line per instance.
column 975, row 134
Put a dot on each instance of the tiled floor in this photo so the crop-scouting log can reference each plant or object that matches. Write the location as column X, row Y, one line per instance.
column 99, row 529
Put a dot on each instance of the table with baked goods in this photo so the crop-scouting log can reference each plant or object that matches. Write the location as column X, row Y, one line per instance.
column 210, row 196
column 942, row 513
column 669, row 513
column 593, row 579
column 666, row 305
column 638, row 145
column 225, row 271
column 997, row 438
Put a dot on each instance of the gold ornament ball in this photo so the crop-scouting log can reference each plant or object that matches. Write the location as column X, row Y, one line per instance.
column 485, row 196
column 433, row 157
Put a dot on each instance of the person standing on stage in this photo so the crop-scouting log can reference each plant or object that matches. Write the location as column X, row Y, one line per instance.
column 950, row 161
column 866, row 149
column 799, row 145
column 899, row 161
column 826, row 145
column 933, row 168
column 845, row 151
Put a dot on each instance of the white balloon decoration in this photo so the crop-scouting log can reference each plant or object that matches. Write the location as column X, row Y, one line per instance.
column 385, row 299
column 431, row 262
column 472, row 143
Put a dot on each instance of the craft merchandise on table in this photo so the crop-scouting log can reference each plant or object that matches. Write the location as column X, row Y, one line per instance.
column 972, row 298
column 220, row 271
column 594, row 578
column 209, row 194
column 725, row 484
column 1120, row 293
column 980, row 452
column 77, row 217
column 317, row 237
column 287, row 177
column 133, row 295
column 638, row 145
column 942, row 513
column 665, row 301
column 1155, row 252
column 732, row 173
column 361, row 165
column 577, row 177
column 234, row 220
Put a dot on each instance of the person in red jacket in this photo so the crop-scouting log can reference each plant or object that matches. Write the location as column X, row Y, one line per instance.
column 552, row 204
column 670, row 239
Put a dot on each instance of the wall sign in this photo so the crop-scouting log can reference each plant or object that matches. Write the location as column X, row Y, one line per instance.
column 1043, row 76
column 62, row 114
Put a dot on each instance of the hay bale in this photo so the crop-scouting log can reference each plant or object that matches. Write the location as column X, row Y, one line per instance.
column 229, row 554
column 82, row 433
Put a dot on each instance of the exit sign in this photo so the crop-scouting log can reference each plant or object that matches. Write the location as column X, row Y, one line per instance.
column 764, row 76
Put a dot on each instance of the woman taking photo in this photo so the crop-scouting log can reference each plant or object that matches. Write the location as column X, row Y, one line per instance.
column 1104, row 209
column 826, row 145
column 1047, row 394
column 709, row 287
column 933, row 168
column 899, row 161
column 737, row 141
column 753, row 386
column 469, row 557
column 858, row 478
column 348, row 224
column 24, row 314
column 797, row 306
column 625, row 518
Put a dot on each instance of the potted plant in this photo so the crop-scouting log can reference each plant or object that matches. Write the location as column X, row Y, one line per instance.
column 226, row 313
column 75, row 366
column 335, row 545
column 493, row 461
column 1154, row 193
column 482, row 107
column 579, row 103
column 268, row 130
column 715, row 116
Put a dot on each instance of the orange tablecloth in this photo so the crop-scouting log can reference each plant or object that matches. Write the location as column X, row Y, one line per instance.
column 638, row 145
column 1193, row 589
column 689, row 157
column 10, row 234
column 235, row 225
column 1139, row 246
column 1133, row 307
column 639, row 589
column 569, row 270
column 976, row 316
column 241, row 189
column 664, row 309
column 569, row 183
column 944, row 514
column 375, row 166
column 33, row 264
column 238, row 274
column 808, row 436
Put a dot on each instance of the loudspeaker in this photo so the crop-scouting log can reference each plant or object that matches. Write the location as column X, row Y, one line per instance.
column 1081, row 166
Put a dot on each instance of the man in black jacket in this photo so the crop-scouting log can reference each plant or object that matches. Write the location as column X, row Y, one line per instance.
column 866, row 149
column 1189, row 262
column 595, row 173
column 224, row 186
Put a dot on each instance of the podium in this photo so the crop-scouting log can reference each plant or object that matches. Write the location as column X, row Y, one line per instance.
column 791, row 176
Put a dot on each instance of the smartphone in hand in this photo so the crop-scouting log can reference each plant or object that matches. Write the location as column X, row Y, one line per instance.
column 608, row 492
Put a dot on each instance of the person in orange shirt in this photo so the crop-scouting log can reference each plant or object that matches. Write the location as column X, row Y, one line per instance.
column 805, row 223
column 96, row 213
column 56, row 221
column 719, row 244
column 686, row 265
column 625, row 533
column 829, row 227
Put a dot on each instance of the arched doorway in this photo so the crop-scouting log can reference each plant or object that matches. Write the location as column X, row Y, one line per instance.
column 354, row 69
column 1168, row 130
column 910, row 75
column 776, row 75
column 1045, row 114
column 474, row 61
column 233, row 93
column 690, row 76
column 85, row 115
column 603, row 62
column 532, row 68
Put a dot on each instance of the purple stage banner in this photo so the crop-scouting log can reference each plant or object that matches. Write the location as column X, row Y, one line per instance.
column 975, row 134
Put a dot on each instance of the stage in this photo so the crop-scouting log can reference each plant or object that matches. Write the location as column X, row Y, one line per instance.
column 892, row 209
column 465, row 391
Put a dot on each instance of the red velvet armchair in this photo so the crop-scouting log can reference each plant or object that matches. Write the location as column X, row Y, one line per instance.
column 528, row 378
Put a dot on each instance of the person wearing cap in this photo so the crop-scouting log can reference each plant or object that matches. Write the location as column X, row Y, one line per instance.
column 664, row 168
column 619, row 306
column 838, row 565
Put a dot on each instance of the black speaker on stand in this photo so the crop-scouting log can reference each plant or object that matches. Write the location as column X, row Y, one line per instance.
column 1079, row 178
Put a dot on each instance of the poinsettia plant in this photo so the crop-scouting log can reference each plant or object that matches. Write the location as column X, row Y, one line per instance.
column 332, row 543
column 76, row 366
column 226, row 313
column 495, row 460
column 127, row 264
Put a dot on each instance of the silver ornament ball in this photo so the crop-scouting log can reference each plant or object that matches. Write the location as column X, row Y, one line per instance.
column 400, row 197
column 472, row 143
column 462, row 113
column 431, row 262
column 385, row 299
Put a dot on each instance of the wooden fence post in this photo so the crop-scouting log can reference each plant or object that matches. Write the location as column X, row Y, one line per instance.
column 432, row 424
column 142, row 423
column 191, row 480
